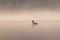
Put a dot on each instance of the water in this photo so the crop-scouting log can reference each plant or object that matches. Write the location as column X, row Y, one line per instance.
column 25, row 30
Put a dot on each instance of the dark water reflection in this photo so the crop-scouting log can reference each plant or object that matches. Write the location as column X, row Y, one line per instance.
column 25, row 30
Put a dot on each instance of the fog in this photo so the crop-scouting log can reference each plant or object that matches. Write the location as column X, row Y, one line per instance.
column 29, row 10
column 29, row 15
column 16, row 17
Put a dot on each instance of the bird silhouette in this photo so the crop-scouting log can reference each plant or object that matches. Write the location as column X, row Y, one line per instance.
column 34, row 22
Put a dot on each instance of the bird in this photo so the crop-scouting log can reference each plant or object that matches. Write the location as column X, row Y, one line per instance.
column 34, row 22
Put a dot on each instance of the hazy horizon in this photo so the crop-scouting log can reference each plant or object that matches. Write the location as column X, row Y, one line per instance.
column 29, row 10
column 30, row 15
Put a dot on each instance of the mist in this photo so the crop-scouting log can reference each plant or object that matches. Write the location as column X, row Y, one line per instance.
column 29, row 10
column 30, row 15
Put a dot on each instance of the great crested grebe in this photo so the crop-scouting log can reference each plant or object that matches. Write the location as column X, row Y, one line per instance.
column 34, row 22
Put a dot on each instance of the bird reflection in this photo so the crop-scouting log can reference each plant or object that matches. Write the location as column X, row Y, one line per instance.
column 34, row 24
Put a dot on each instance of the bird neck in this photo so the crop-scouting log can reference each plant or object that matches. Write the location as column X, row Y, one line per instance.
column 33, row 22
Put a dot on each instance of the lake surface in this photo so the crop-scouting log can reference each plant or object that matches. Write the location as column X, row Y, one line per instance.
column 25, row 30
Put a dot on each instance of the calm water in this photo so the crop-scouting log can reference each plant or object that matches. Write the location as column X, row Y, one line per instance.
column 25, row 30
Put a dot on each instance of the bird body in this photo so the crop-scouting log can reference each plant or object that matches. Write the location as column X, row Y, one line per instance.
column 34, row 22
